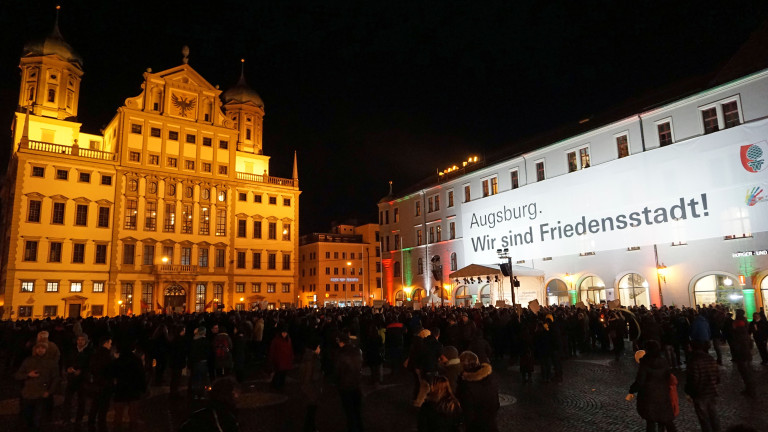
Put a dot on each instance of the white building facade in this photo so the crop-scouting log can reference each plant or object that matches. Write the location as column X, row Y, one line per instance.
column 664, row 206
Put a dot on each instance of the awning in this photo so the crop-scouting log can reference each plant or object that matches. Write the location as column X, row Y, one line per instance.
column 475, row 270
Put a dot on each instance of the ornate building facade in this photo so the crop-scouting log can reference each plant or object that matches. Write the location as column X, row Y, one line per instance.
column 172, row 208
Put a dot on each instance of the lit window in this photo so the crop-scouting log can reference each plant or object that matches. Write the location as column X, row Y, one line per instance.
column 665, row 133
column 622, row 146
column 540, row 171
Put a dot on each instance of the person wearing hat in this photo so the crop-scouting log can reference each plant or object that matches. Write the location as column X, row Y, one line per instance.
column 478, row 394
column 450, row 366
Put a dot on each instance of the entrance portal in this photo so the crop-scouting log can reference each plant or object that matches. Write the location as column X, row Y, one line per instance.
column 175, row 299
column 74, row 310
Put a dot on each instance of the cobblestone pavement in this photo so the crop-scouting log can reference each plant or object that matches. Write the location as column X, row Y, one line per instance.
column 590, row 399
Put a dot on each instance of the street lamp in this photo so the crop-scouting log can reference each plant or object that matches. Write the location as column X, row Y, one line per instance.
column 437, row 273
column 506, row 270
column 349, row 265
column 661, row 275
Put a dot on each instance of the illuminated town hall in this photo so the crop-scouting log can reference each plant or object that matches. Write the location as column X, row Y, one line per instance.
column 172, row 207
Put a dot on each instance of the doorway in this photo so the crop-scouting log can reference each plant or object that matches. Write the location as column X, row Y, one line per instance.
column 74, row 310
column 175, row 299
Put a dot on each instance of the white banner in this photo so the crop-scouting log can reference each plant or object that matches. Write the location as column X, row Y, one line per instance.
column 711, row 186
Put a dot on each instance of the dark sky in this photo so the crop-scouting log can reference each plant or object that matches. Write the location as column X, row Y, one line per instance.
column 368, row 92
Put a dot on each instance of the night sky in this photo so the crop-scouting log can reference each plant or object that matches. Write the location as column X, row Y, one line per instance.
column 368, row 92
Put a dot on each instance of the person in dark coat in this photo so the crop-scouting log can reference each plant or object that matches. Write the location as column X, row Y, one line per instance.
column 480, row 346
column 426, row 362
column 198, row 364
column 76, row 368
column 280, row 358
column 220, row 412
column 349, row 364
column 41, row 377
column 441, row 411
column 450, row 366
column 99, row 386
column 702, row 378
column 741, row 351
column 311, row 377
column 373, row 354
column 478, row 394
column 130, row 385
column 652, row 386
column 177, row 358
column 758, row 328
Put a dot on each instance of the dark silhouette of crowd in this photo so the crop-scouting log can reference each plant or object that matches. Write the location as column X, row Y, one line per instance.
column 98, row 363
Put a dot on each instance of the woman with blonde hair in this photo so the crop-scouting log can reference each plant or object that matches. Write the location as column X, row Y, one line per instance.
column 441, row 410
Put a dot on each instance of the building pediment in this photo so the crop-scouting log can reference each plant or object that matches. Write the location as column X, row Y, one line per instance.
column 184, row 77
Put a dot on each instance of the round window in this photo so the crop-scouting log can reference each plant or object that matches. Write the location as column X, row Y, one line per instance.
column 188, row 192
column 153, row 187
column 133, row 185
column 206, row 194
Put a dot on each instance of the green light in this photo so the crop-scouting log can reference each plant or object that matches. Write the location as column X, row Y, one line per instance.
column 749, row 302
column 572, row 295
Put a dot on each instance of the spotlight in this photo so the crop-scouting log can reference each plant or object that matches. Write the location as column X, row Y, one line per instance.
column 457, row 281
column 472, row 279
column 488, row 279
column 466, row 281
column 497, row 278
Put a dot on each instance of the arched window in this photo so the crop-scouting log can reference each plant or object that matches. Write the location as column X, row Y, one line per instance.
column 557, row 293
column 454, row 265
column 764, row 290
column 397, row 269
column 633, row 290
column 592, row 290
column 420, row 266
column 718, row 289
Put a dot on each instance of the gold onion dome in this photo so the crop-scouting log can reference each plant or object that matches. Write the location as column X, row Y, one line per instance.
column 53, row 44
column 242, row 93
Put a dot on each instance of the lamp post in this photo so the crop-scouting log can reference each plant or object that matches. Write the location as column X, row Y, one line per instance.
column 437, row 273
column 349, row 265
column 506, row 270
column 661, row 275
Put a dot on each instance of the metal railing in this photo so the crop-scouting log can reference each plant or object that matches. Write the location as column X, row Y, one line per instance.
column 174, row 268
column 265, row 179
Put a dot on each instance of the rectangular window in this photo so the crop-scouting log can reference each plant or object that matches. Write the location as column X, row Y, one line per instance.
column 129, row 253
column 76, row 287
column 155, row 132
column 154, row 159
column 286, row 232
column 418, row 208
column 256, row 287
column 221, row 222
column 223, row 169
column 286, row 261
column 38, row 171
column 186, row 219
column 98, row 287
column 169, row 222
column 78, row 253
column 272, row 233
column 168, row 253
column 103, row 221
column 106, row 180
column 467, row 193
column 25, row 312
column 223, row 144
column 240, row 260
column 204, row 220
column 52, row 286
column 62, row 174
column 486, row 188
column 186, row 256
column 584, row 157
column 272, row 261
column 731, row 114
column 191, row 138
column 432, row 234
column 437, row 202
column 256, row 263
column 50, row 311
column 205, row 167
column 241, row 227
column 30, row 250
column 33, row 214
column 84, row 177
column 709, row 117
column 81, row 215
column 430, row 209
column 396, row 215
column 257, row 198
column 173, row 135
column 126, row 295
column 240, row 287
column 134, row 156
column 438, row 233
column 515, row 180
column 419, row 239
column 135, row 128
column 665, row 133
column 54, row 253
column 189, row 164
column 271, row 287
column 200, row 298
column 286, row 202
column 207, row 141
column 452, row 230
column 150, row 216
column 27, row 286
column 101, row 254
column 149, row 255
column 131, row 209
column 273, row 200
column 146, row 296
column 540, row 175
column 220, row 257
column 573, row 164
column 172, row 162
column 450, row 198
column 202, row 257
column 286, row 287
column 58, row 213
column 242, row 196
column 622, row 146
column 257, row 229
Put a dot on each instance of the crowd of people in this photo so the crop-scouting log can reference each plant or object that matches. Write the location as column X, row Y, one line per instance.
column 448, row 352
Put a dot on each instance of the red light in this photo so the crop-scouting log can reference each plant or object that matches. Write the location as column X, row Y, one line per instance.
column 742, row 280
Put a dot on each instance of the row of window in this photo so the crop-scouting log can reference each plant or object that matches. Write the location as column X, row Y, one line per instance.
column 53, row 286
column 53, row 311
column 58, row 212
column 205, row 193
column 172, row 162
column 63, row 174
column 174, row 136
column 272, row 200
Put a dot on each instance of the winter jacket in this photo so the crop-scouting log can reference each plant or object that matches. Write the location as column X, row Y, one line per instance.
column 281, row 353
column 349, row 364
column 478, row 395
column 311, row 376
column 130, row 382
column 46, row 381
column 452, row 370
column 700, row 330
column 741, row 347
column 702, row 376
column 432, row 419
column 652, row 388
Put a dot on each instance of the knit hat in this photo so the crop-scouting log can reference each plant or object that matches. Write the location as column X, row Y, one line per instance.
column 424, row 333
column 201, row 330
column 639, row 354
column 450, row 352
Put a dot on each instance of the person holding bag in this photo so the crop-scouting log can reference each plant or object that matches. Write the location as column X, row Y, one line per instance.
column 656, row 389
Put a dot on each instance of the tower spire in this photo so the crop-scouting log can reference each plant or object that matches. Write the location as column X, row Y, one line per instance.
column 295, row 167
column 56, row 32
column 241, row 81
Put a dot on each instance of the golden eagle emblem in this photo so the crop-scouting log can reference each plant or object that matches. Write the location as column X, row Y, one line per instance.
column 183, row 104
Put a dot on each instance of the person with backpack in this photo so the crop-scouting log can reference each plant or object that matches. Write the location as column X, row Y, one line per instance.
column 222, row 354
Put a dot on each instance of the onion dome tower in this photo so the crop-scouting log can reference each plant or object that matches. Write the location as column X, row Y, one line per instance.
column 245, row 107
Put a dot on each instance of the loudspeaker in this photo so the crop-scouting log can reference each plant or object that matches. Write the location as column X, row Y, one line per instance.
column 505, row 269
